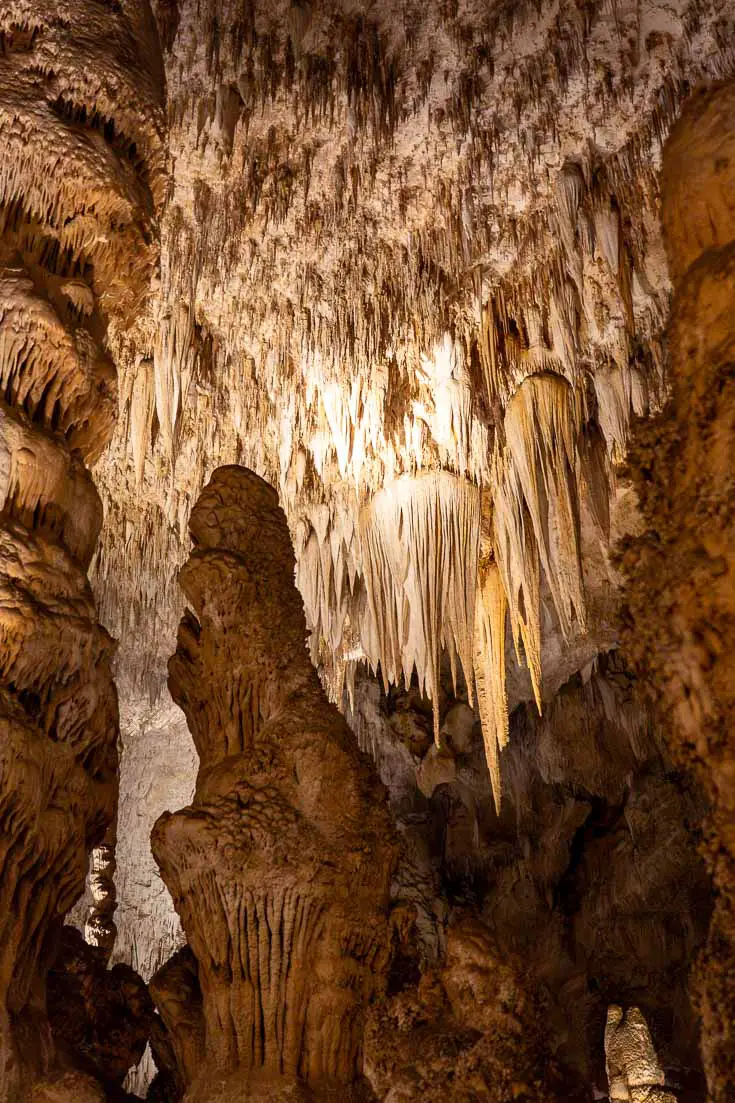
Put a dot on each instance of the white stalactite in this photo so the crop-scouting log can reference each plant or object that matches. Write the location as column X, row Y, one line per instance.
column 142, row 405
column 420, row 544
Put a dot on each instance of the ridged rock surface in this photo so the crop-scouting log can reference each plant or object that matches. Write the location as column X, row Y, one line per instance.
column 281, row 867
column 81, row 131
column 682, row 572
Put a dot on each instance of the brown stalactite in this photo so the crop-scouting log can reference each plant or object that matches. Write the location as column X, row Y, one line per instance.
column 682, row 572
column 80, row 130
column 280, row 869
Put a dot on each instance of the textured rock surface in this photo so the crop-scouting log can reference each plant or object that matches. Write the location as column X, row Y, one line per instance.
column 383, row 219
column 80, row 126
column 633, row 1071
column 589, row 877
column 682, row 573
column 412, row 273
column 100, row 1018
column 467, row 1032
column 280, row 869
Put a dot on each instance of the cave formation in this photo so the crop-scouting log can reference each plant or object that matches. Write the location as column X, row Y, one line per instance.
column 367, row 585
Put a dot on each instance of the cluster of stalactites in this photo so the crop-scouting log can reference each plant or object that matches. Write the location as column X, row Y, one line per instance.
column 536, row 516
column 404, row 585
column 420, row 546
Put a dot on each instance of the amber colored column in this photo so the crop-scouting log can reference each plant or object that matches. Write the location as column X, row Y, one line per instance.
column 682, row 573
column 81, row 139
column 280, row 869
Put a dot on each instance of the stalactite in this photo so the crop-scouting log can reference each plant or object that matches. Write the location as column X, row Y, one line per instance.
column 489, row 669
column 522, row 230
column 419, row 540
column 173, row 368
column 536, row 516
column 142, row 405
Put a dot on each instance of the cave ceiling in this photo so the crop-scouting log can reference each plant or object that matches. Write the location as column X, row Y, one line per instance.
column 381, row 220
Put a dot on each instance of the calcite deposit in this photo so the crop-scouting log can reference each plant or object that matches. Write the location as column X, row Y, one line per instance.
column 682, row 573
column 451, row 283
column 281, row 867
column 633, row 1070
column 81, row 132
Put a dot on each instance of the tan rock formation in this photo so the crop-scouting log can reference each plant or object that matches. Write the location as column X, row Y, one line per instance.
column 470, row 1032
column 682, row 573
column 280, row 869
column 80, row 129
column 587, row 887
column 99, row 927
column 412, row 274
column 633, row 1071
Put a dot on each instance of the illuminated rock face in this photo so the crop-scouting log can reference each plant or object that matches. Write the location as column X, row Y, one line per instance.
column 412, row 268
column 385, row 218
column 683, row 572
column 413, row 274
column 280, row 868
column 80, row 129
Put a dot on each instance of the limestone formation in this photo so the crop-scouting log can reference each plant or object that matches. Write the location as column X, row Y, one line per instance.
column 587, row 887
column 100, row 1018
column 633, row 1071
column 80, row 128
column 99, row 928
column 682, row 572
column 469, row 1031
column 280, row 869
column 411, row 261
column 384, row 219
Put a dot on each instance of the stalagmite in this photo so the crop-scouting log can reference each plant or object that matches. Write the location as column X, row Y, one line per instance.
column 280, row 868
column 81, row 160
column 633, row 1071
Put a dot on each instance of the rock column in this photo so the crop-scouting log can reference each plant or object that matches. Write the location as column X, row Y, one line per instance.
column 280, row 869
column 682, row 591
column 80, row 132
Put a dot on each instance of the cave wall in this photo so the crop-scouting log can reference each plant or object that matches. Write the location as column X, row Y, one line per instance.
column 81, row 121
column 681, row 571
